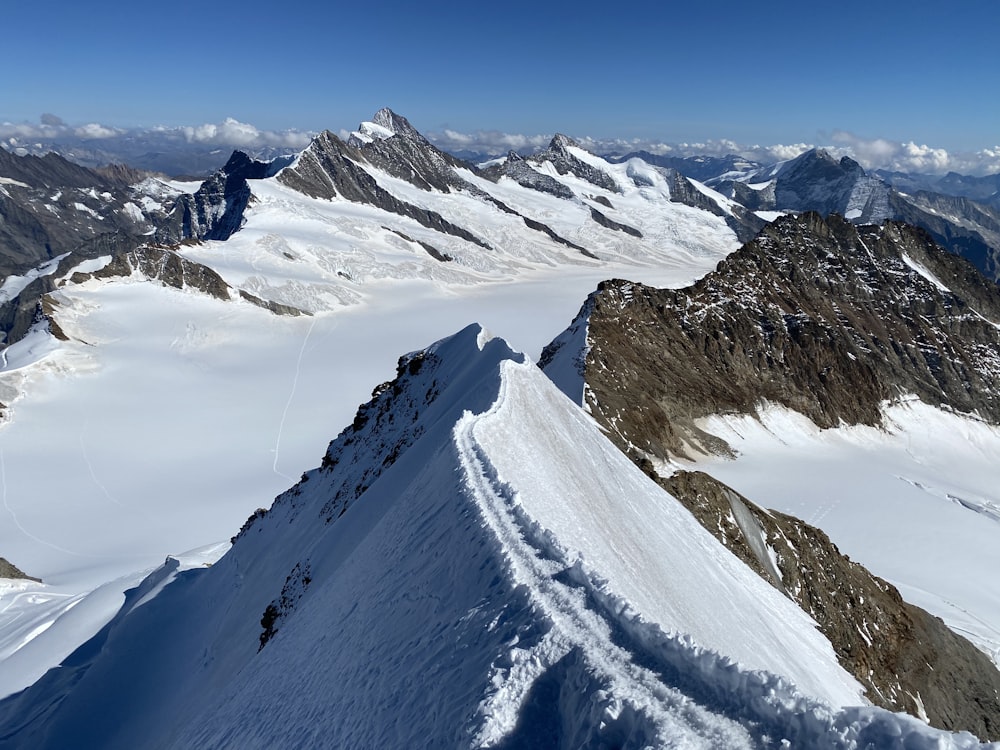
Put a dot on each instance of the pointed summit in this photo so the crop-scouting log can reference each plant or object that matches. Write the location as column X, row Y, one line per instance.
column 560, row 142
column 566, row 162
column 396, row 124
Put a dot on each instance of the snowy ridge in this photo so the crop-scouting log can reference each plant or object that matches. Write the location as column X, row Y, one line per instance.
column 446, row 565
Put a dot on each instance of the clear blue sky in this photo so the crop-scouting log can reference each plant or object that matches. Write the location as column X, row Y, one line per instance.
column 772, row 72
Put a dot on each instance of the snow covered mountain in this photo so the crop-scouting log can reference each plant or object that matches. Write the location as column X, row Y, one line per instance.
column 422, row 588
column 955, row 215
column 312, row 296
column 179, row 384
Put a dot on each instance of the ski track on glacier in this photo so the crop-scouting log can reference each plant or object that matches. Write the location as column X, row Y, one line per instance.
column 20, row 527
column 288, row 403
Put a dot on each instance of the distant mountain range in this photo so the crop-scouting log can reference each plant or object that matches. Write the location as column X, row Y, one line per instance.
column 497, row 554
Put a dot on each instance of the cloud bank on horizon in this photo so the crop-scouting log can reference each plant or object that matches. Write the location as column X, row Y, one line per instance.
column 872, row 153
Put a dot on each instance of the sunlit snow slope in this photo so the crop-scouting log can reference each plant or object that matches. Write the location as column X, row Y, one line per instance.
column 168, row 416
column 445, row 579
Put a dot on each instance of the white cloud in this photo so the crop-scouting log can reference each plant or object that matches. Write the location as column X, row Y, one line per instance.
column 94, row 130
column 488, row 141
column 871, row 153
column 879, row 153
column 231, row 132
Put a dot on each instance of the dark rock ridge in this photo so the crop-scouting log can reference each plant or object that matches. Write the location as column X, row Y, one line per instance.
column 9, row 570
column 50, row 207
column 816, row 314
column 164, row 265
column 559, row 155
column 51, row 171
column 330, row 168
column 216, row 210
column 962, row 225
column 897, row 651
column 743, row 221
column 816, row 181
column 516, row 168
column 409, row 156
column 831, row 320
column 401, row 151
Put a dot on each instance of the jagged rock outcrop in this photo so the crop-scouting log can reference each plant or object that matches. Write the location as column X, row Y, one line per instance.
column 830, row 320
column 50, row 171
column 907, row 659
column 816, row 181
column 565, row 162
column 517, row 168
column 52, row 208
column 815, row 314
column 164, row 265
column 742, row 220
column 9, row 570
column 330, row 168
column 396, row 147
column 964, row 226
column 216, row 210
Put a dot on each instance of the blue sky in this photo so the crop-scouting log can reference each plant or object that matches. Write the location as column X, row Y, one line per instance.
column 766, row 73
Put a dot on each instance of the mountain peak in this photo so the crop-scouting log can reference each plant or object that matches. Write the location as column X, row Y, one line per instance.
column 560, row 142
column 395, row 124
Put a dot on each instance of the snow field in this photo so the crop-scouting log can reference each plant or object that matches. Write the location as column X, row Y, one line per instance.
column 918, row 506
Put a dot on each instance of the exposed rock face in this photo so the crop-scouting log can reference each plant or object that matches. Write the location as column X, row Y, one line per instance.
column 50, row 171
column 216, row 210
column 743, row 221
column 899, row 652
column 817, row 315
column 517, row 169
column 163, row 265
column 565, row 162
column 330, row 168
column 962, row 225
column 408, row 155
column 815, row 181
column 830, row 320
column 50, row 207
column 9, row 570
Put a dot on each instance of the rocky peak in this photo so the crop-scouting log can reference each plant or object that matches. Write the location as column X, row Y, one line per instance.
column 216, row 210
column 815, row 314
column 830, row 320
column 561, row 142
column 330, row 168
column 397, row 124
column 392, row 144
column 559, row 155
